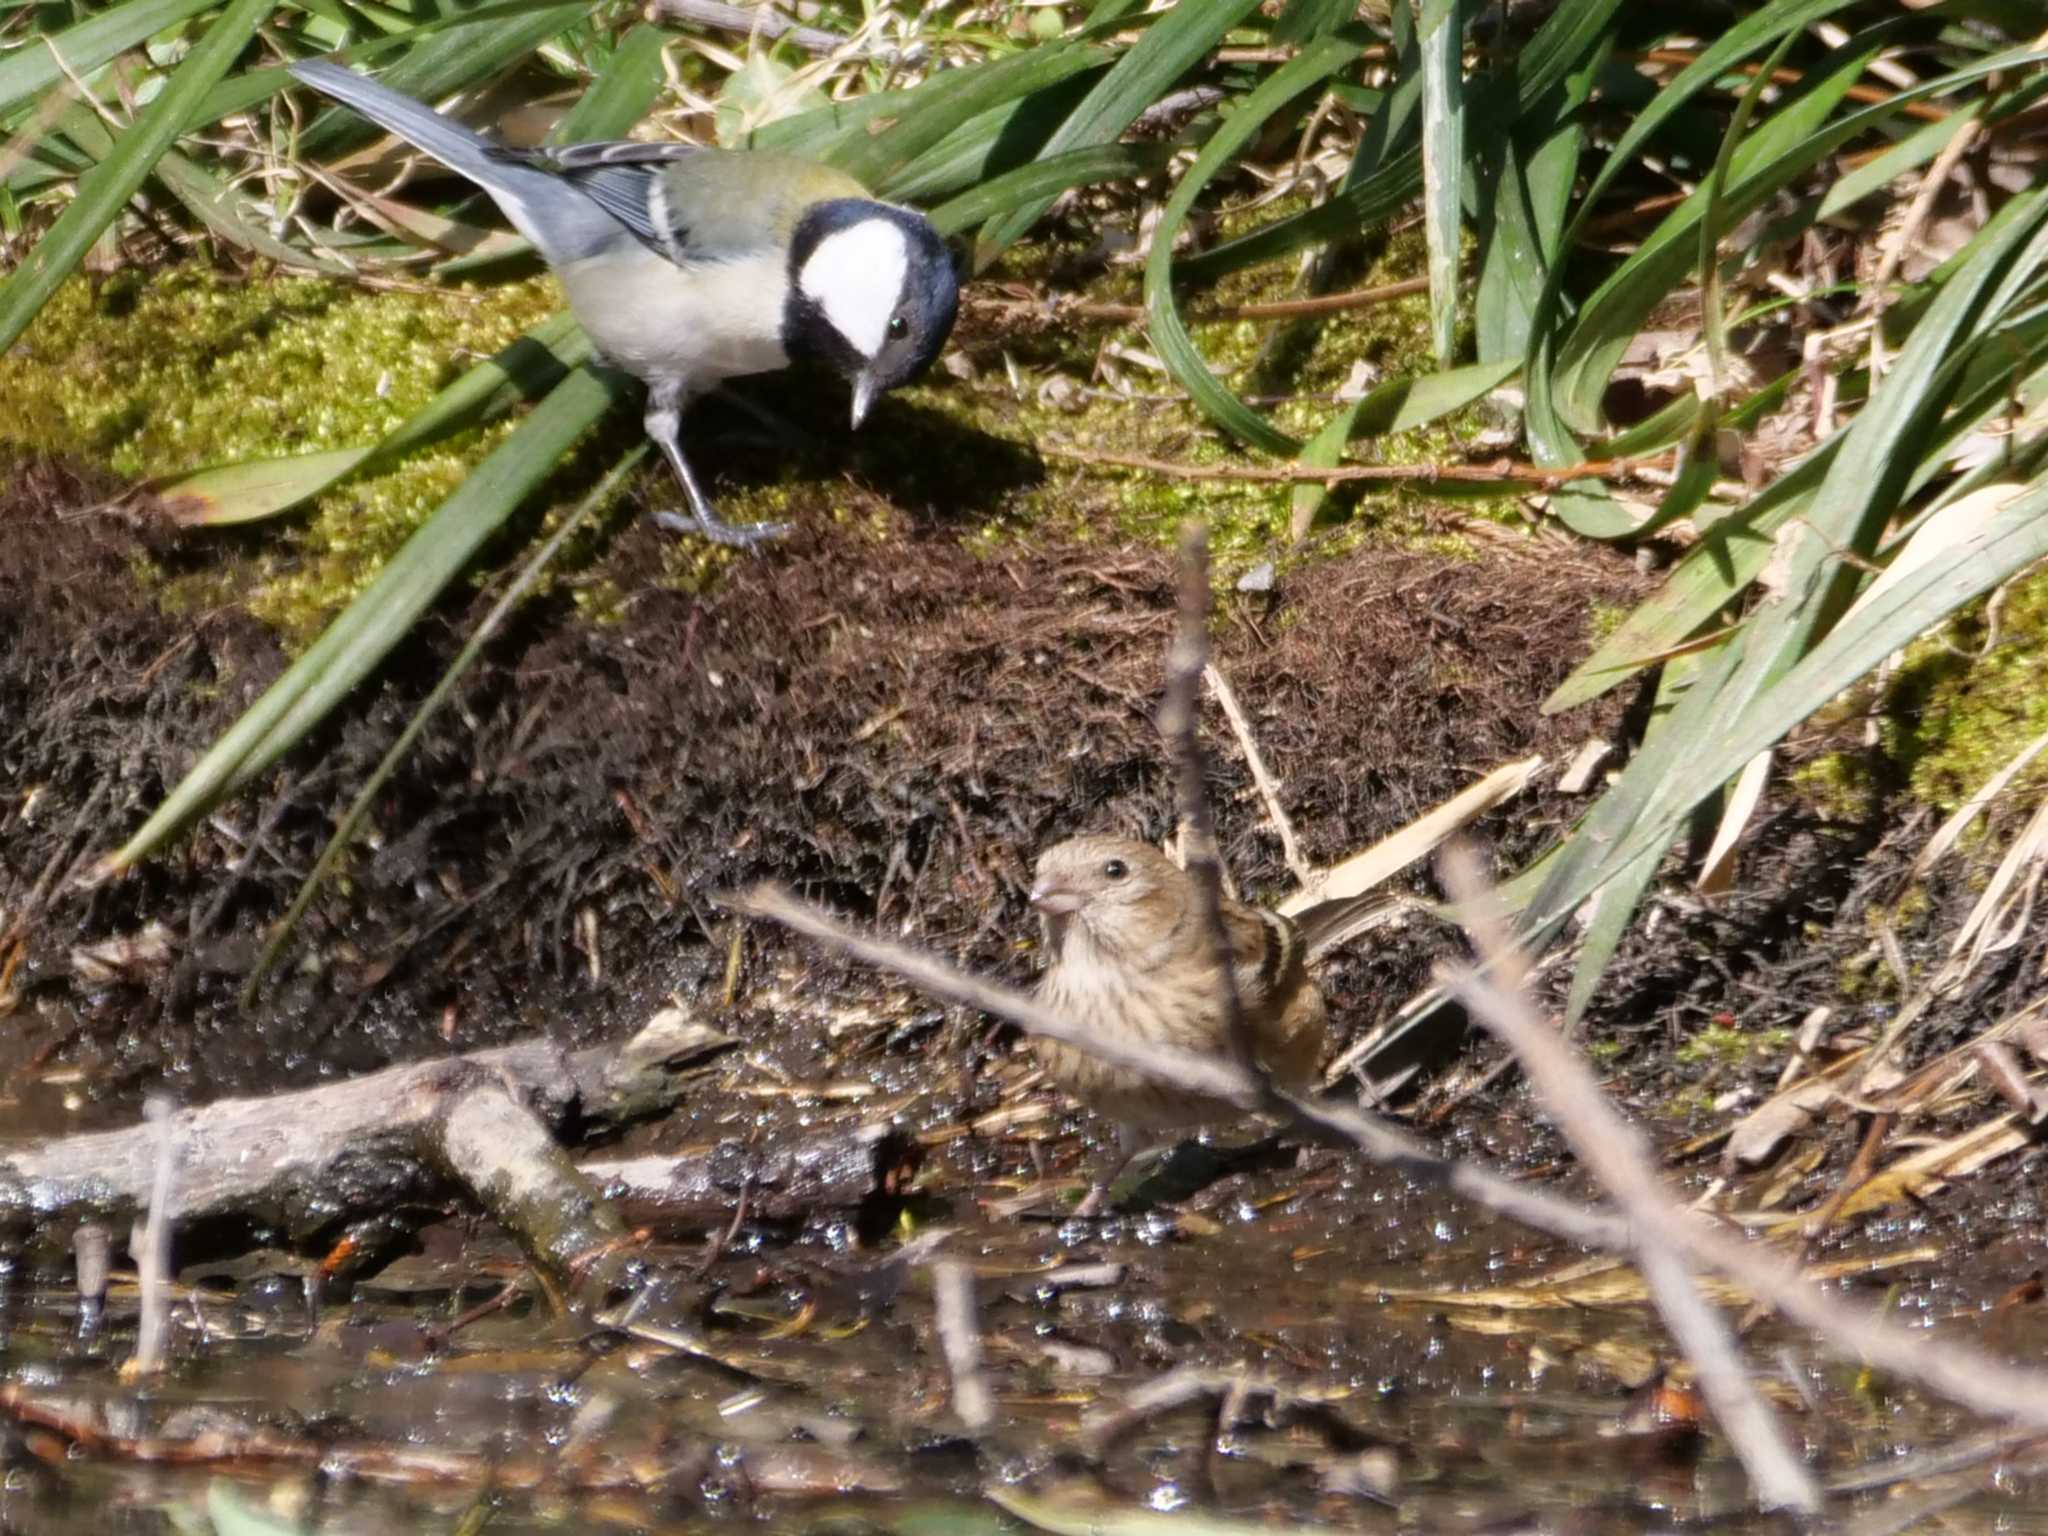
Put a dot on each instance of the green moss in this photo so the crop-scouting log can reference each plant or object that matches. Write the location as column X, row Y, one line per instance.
column 1961, row 707
column 163, row 373
column 158, row 374
column 1723, row 1045
column 1964, row 717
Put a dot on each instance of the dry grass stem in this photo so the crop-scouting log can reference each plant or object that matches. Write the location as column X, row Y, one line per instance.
column 960, row 1338
column 1269, row 787
column 1502, row 472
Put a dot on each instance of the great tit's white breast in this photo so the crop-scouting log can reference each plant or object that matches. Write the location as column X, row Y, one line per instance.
column 700, row 323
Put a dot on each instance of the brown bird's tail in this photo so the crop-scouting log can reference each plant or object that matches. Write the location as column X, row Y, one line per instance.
column 1329, row 925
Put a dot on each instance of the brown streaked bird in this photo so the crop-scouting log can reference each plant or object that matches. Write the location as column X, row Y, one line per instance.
column 1130, row 955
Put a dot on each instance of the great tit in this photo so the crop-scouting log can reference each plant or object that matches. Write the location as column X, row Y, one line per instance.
column 691, row 266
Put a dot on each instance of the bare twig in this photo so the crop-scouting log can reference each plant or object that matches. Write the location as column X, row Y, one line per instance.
column 1623, row 1161
column 1502, row 472
column 1184, row 665
column 1906, row 236
column 152, row 1243
column 960, row 1338
column 1269, row 787
column 762, row 21
column 1057, row 307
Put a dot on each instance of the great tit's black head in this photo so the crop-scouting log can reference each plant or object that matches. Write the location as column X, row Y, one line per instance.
column 871, row 292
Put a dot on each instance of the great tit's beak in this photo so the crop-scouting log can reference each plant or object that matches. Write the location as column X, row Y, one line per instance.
column 1056, row 900
column 863, row 399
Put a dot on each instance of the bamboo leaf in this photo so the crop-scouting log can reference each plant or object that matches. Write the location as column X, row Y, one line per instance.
column 1176, row 40
column 1176, row 347
column 34, row 67
column 352, row 646
column 1440, row 41
column 105, row 189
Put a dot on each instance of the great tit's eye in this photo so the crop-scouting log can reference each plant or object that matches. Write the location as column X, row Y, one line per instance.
column 898, row 327
column 1116, row 869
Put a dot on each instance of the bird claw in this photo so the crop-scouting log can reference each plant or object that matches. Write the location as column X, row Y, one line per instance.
column 732, row 535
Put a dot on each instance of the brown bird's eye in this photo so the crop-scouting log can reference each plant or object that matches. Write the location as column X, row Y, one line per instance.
column 898, row 327
column 1116, row 869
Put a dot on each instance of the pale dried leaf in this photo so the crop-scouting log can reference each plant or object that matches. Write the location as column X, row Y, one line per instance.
column 1421, row 837
column 1717, row 871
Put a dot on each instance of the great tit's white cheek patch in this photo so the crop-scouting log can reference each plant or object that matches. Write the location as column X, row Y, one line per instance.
column 856, row 276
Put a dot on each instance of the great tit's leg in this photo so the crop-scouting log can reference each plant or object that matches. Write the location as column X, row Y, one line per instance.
column 664, row 424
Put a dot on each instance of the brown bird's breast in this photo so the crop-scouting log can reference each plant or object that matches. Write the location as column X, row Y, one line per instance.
column 1185, row 1011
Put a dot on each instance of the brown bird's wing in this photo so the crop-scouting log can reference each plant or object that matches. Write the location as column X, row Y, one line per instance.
column 1283, row 1006
column 1265, row 955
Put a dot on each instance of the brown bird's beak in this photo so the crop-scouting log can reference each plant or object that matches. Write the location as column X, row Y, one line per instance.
column 1056, row 900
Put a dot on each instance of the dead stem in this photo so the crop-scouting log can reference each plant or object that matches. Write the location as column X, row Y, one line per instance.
column 1502, row 472
column 960, row 1338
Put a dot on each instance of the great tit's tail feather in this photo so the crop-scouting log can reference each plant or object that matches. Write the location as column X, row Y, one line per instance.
column 561, row 222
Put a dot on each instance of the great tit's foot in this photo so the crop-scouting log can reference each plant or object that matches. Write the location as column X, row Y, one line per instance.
column 732, row 535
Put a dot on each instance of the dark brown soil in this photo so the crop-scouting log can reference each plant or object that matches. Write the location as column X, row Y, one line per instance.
column 890, row 725
column 894, row 725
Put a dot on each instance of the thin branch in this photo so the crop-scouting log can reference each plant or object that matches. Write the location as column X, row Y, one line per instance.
column 1950, row 1367
column 1269, row 787
column 1184, row 665
column 1057, row 307
column 1502, row 472
column 762, row 21
column 151, row 1243
column 960, row 1338
column 1196, row 1071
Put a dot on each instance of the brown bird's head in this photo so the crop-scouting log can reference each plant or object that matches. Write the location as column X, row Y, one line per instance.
column 1125, row 893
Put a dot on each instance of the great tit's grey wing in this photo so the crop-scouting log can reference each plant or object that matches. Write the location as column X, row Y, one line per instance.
column 563, row 223
column 692, row 204
column 624, row 177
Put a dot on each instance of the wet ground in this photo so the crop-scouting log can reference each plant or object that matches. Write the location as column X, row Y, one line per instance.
column 893, row 722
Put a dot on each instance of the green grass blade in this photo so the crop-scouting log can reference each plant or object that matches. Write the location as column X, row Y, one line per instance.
column 104, row 190
column 622, row 94
column 1306, row 71
column 1780, row 149
column 33, row 67
column 1745, row 699
column 1573, row 29
column 954, row 99
column 529, row 367
column 1440, row 41
column 1076, row 168
column 352, row 646
column 1524, row 205
column 1174, row 43
column 1396, row 405
column 1000, row 140
column 470, row 44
